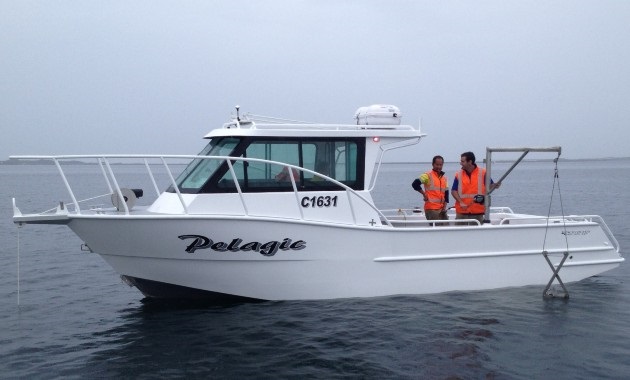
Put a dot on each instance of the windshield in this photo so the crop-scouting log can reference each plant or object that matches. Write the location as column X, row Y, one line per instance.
column 199, row 170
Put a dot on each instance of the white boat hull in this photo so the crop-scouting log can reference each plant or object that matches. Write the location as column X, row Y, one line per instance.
column 243, row 219
column 339, row 261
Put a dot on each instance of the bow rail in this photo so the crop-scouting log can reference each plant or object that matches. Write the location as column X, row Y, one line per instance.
column 106, row 163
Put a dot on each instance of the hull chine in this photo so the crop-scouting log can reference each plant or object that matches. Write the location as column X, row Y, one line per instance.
column 157, row 290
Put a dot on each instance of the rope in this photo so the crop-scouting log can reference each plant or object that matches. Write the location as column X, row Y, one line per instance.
column 18, row 264
column 79, row 201
column 272, row 120
column 556, row 178
column 547, row 292
column 564, row 221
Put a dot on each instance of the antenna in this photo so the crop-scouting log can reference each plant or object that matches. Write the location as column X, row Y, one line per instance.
column 237, row 115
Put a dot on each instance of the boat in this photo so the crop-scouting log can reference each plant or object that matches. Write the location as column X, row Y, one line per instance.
column 283, row 210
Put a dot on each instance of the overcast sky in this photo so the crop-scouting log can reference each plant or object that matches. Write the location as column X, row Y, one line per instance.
column 87, row 77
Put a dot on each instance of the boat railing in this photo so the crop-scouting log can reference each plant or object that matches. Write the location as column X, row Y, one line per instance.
column 106, row 163
column 267, row 122
column 350, row 192
column 567, row 219
column 501, row 210
column 416, row 217
column 599, row 220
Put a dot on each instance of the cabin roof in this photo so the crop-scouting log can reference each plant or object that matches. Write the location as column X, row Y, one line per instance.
column 249, row 128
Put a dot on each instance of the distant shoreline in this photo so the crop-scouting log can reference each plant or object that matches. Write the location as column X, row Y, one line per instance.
column 16, row 162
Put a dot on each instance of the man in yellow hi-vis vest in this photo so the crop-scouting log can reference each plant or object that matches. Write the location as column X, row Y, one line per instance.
column 435, row 192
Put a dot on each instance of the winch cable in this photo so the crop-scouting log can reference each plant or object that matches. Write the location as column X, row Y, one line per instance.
column 18, row 263
column 547, row 293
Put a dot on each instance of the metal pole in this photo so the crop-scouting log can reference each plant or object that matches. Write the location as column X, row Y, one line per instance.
column 525, row 150
column 486, row 201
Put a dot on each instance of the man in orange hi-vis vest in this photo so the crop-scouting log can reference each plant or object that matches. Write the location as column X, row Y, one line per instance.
column 435, row 192
column 469, row 189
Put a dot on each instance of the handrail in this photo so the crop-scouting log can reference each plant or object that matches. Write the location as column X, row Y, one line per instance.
column 441, row 223
column 574, row 218
column 121, row 199
column 117, row 190
column 174, row 183
column 109, row 185
column 65, row 181
column 155, row 186
column 238, row 186
column 571, row 218
column 599, row 220
column 349, row 191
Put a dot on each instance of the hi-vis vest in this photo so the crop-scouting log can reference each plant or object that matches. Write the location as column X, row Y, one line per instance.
column 435, row 189
column 468, row 187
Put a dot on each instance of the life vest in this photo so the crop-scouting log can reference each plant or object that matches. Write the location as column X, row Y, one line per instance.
column 435, row 189
column 285, row 176
column 468, row 187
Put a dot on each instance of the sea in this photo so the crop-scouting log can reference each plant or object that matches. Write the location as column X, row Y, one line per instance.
column 64, row 313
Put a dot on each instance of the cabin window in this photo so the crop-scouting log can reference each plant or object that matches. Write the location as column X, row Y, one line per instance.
column 260, row 174
column 334, row 158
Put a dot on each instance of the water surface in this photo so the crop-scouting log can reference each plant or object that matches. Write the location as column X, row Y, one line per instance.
column 76, row 319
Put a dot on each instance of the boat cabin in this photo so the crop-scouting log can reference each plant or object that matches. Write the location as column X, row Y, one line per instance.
column 273, row 157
